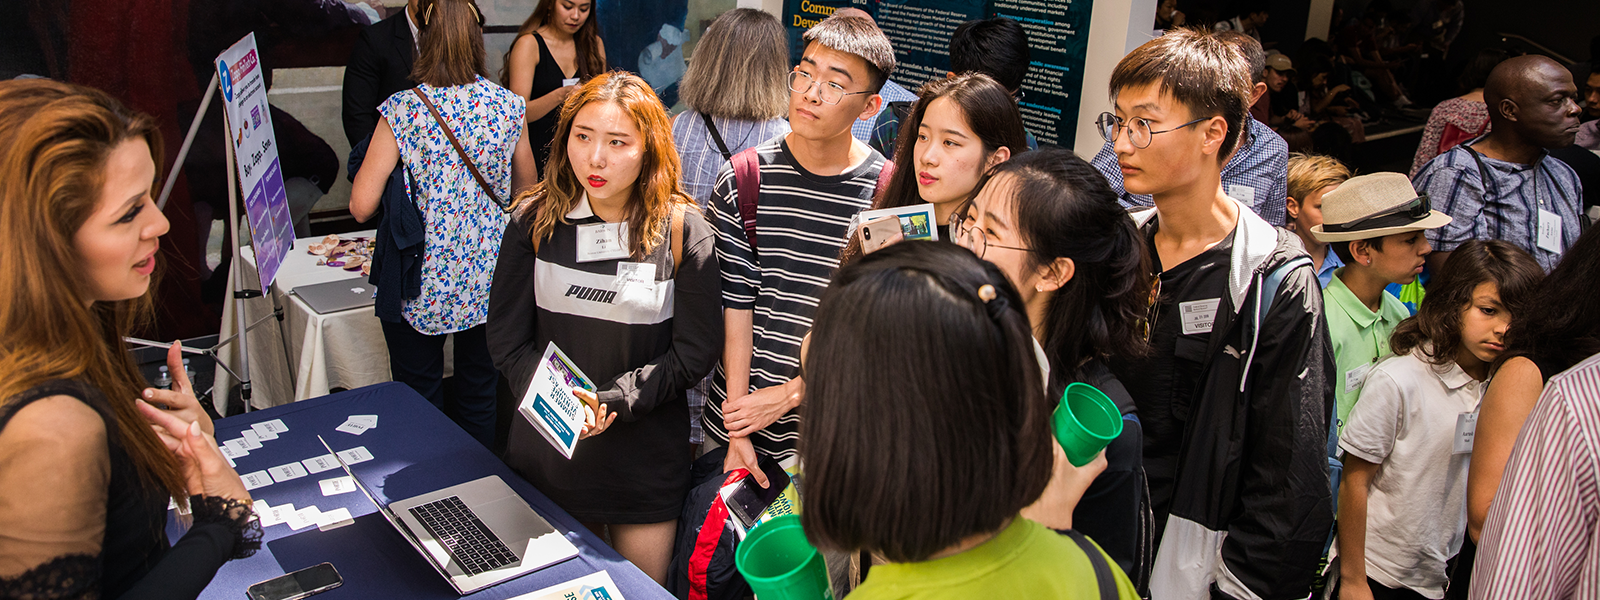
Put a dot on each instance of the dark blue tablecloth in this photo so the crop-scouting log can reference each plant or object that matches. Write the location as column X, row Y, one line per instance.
column 417, row 450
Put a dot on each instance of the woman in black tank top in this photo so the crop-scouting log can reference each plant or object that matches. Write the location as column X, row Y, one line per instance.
column 533, row 71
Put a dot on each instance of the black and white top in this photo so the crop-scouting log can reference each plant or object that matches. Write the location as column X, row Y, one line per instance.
column 642, row 348
column 801, row 221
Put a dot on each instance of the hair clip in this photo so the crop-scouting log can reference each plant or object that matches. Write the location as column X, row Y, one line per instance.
column 986, row 293
column 428, row 14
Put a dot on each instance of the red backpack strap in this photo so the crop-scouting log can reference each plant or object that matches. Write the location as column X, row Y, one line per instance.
column 747, row 178
column 883, row 180
column 705, row 544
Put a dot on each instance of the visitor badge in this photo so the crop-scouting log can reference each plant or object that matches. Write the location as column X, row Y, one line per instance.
column 602, row 241
column 1466, row 426
column 1357, row 377
column 571, row 81
column 1198, row 315
column 1243, row 193
column 1549, row 231
column 631, row 273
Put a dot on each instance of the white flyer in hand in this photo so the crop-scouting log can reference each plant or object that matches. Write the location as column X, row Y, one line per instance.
column 550, row 404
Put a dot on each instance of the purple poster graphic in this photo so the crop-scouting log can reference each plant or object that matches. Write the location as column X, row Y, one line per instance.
column 255, row 155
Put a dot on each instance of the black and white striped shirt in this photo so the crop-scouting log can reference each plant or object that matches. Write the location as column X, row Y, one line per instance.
column 801, row 221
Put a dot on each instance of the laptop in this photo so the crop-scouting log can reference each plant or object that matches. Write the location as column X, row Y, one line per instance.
column 334, row 296
column 476, row 534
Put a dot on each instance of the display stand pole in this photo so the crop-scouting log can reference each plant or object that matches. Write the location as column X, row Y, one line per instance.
column 239, row 291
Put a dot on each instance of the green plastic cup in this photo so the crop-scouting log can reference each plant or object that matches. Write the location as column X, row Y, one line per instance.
column 780, row 564
column 1085, row 421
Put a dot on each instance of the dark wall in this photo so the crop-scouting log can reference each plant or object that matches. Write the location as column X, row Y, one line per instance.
column 1564, row 26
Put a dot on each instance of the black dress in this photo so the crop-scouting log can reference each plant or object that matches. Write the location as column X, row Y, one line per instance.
column 135, row 559
column 547, row 77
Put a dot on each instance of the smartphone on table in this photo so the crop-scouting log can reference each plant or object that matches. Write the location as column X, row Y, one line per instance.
column 299, row 584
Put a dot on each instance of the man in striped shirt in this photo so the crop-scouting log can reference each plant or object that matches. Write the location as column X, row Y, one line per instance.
column 813, row 181
column 1542, row 539
column 1501, row 186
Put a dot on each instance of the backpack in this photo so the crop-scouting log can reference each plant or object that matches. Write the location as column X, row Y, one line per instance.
column 702, row 566
column 747, row 178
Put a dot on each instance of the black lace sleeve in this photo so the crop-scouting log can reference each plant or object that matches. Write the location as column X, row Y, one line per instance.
column 236, row 515
column 72, row 577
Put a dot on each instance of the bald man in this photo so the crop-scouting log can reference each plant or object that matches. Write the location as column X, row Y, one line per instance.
column 1501, row 186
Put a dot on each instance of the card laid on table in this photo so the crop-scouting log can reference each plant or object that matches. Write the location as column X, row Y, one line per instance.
column 353, row 427
column 282, row 473
column 277, row 515
column 371, row 421
column 249, row 440
column 235, row 448
column 334, row 519
column 337, row 485
column 318, row 464
column 358, row 454
column 256, row 480
column 302, row 518
column 269, row 430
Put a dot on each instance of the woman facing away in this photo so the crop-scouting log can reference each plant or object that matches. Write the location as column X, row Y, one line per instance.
column 455, row 195
column 1461, row 118
column 647, row 329
column 557, row 48
column 939, row 340
column 86, row 467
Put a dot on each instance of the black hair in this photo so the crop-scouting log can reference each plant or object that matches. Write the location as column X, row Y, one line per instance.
column 1065, row 209
column 1201, row 71
column 1250, row 48
column 1437, row 325
column 1558, row 332
column 858, row 36
column 925, row 419
column 1342, row 249
column 996, row 47
column 1476, row 73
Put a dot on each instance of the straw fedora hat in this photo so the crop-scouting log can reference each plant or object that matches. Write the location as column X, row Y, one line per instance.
column 1375, row 205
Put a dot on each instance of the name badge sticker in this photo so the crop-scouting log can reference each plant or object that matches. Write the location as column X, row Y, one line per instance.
column 1243, row 193
column 1549, row 231
column 1357, row 377
column 1466, row 428
column 602, row 241
column 1199, row 315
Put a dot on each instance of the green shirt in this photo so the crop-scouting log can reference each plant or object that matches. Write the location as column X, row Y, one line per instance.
column 1026, row 560
column 1359, row 336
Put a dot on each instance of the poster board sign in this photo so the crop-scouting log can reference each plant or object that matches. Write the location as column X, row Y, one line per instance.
column 920, row 30
column 255, row 155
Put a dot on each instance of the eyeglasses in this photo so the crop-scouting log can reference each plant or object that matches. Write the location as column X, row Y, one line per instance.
column 966, row 235
column 1399, row 216
column 1139, row 133
column 801, row 82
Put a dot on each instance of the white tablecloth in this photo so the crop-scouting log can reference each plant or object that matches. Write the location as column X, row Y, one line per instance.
column 344, row 349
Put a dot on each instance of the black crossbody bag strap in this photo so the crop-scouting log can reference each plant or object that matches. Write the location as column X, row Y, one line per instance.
column 716, row 136
column 1102, row 569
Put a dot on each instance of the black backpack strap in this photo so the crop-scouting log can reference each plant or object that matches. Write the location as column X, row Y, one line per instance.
column 1103, row 578
column 716, row 136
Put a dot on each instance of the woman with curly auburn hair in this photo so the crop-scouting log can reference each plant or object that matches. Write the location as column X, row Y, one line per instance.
column 86, row 468
column 611, row 261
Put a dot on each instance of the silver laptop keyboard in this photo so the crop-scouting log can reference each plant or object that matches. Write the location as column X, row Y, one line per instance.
column 475, row 548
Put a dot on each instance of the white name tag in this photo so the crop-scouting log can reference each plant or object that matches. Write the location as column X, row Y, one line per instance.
column 1243, row 193
column 1549, row 231
column 1355, row 378
column 1198, row 315
column 567, row 82
column 1466, row 427
column 602, row 241
column 629, row 273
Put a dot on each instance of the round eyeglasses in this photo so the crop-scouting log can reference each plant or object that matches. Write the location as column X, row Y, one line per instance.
column 801, row 82
column 1139, row 133
column 965, row 233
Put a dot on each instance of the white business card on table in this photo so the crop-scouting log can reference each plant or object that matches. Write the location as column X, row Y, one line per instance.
column 231, row 464
column 302, row 518
column 337, row 485
column 248, row 442
column 235, row 448
column 260, row 508
column 256, row 480
column 358, row 454
column 371, row 421
column 269, row 430
column 318, row 464
column 282, row 473
column 353, row 427
column 277, row 515
column 334, row 519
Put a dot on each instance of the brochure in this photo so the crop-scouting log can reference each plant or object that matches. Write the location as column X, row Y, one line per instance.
column 550, row 404
column 594, row 586
column 916, row 221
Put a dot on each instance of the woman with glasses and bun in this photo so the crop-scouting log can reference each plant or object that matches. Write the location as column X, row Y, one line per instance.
column 945, row 336
column 1049, row 221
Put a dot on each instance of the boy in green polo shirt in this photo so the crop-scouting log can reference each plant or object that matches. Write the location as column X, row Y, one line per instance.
column 1374, row 223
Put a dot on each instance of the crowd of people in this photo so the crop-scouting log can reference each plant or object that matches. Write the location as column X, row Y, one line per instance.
column 1291, row 426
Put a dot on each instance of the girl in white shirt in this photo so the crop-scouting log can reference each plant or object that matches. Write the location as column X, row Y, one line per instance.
column 1402, row 502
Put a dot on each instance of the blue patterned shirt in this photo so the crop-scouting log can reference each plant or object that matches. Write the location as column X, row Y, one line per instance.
column 700, row 155
column 463, row 226
column 861, row 129
column 1506, row 206
column 1257, row 175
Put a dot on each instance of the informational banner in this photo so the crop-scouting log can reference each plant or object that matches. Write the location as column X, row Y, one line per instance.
column 255, row 155
column 920, row 30
column 647, row 38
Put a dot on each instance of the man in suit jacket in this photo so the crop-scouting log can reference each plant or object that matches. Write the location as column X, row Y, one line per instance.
column 379, row 65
